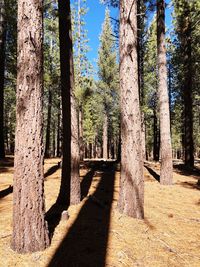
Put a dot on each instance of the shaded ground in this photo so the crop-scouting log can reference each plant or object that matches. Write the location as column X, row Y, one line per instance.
column 97, row 235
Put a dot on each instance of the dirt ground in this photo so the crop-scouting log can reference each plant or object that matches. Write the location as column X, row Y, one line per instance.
column 97, row 235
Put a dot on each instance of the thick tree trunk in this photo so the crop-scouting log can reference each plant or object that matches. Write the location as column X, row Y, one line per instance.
column 29, row 227
column 187, row 89
column 105, row 137
column 131, row 196
column 70, row 183
column 2, row 70
column 166, row 172
column 48, row 129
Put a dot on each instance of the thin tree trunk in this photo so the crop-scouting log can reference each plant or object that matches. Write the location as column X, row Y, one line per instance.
column 166, row 172
column 48, row 129
column 2, row 70
column 58, row 134
column 81, row 144
column 54, row 140
column 70, row 183
column 29, row 227
column 131, row 196
column 156, row 143
column 105, row 137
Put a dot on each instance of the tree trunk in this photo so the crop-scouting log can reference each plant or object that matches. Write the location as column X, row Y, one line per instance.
column 70, row 183
column 131, row 196
column 2, row 70
column 156, row 139
column 81, row 144
column 105, row 137
column 29, row 227
column 166, row 172
column 54, row 140
column 58, row 134
column 48, row 129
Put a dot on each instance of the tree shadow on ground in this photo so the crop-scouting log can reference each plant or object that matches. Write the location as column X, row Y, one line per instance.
column 184, row 170
column 5, row 192
column 52, row 170
column 85, row 244
column 6, row 163
column 153, row 173
column 54, row 214
column 190, row 185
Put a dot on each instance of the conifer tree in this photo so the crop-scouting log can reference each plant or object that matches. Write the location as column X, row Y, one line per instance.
column 131, row 195
column 30, row 231
column 165, row 136
column 108, row 76
column 70, row 182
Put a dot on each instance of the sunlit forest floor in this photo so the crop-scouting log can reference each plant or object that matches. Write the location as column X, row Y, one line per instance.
column 97, row 235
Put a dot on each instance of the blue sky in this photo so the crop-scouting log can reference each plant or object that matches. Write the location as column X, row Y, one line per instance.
column 94, row 20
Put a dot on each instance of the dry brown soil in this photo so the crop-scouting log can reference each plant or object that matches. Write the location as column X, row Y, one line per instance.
column 97, row 235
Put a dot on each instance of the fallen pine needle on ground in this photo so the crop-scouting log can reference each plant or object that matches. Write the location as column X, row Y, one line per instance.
column 97, row 235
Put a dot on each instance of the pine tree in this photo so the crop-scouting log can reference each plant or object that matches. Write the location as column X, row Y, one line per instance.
column 184, row 12
column 166, row 171
column 70, row 183
column 131, row 196
column 108, row 76
column 29, row 227
column 82, row 66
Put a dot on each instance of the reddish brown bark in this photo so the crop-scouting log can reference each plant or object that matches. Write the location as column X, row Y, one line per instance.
column 29, row 227
column 70, row 183
column 131, row 197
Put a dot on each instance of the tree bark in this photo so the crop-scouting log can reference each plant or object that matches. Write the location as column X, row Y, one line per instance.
column 166, row 172
column 29, row 226
column 2, row 70
column 131, row 196
column 70, row 183
column 105, row 137
column 156, row 138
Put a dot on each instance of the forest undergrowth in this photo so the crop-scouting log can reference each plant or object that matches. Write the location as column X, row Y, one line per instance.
column 97, row 235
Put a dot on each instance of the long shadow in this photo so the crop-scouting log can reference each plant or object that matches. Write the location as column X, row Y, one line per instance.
column 85, row 244
column 52, row 170
column 6, row 191
column 53, row 215
column 153, row 173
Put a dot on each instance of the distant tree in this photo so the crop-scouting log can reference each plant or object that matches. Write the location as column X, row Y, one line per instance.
column 2, row 71
column 131, row 196
column 29, row 227
column 108, row 76
column 166, row 171
column 183, row 10
column 82, row 66
column 70, row 181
